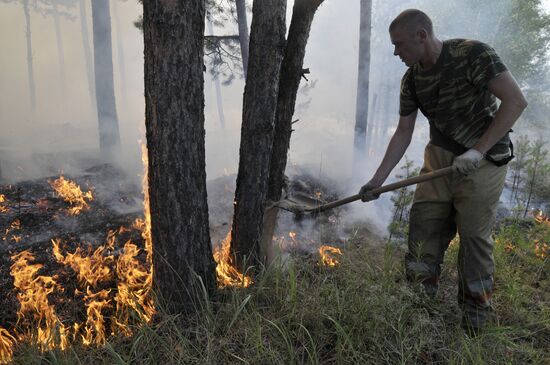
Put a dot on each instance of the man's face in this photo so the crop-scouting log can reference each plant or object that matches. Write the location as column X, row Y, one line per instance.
column 408, row 45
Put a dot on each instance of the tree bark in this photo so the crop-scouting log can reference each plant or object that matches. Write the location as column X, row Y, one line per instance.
column 289, row 82
column 362, row 103
column 267, row 42
column 30, row 67
column 120, row 54
column 174, row 117
column 243, row 32
column 87, row 51
column 109, row 138
column 291, row 74
column 60, row 53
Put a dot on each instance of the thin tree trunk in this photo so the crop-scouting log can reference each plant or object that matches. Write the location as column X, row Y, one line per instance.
column 60, row 53
column 362, row 103
column 243, row 32
column 109, row 138
column 291, row 74
column 217, row 85
column 267, row 41
column 30, row 67
column 120, row 54
column 174, row 118
column 87, row 52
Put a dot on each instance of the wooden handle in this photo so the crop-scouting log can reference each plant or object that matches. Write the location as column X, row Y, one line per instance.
column 390, row 187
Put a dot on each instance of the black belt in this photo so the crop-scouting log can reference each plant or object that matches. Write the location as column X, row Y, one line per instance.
column 439, row 139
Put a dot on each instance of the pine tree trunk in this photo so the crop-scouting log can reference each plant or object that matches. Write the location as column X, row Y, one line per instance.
column 60, row 53
column 30, row 67
column 109, row 138
column 87, row 52
column 267, row 41
column 291, row 74
column 120, row 55
column 243, row 32
column 362, row 102
column 174, row 115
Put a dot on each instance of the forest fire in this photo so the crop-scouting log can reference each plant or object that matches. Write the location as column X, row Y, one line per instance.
column 542, row 249
column 327, row 253
column 541, row 218
column 226, row 272
column 3, row 208
column 72, row 194
column 35, row 310
column 7, row 342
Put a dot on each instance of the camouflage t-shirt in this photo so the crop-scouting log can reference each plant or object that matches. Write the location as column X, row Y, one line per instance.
column 453, row 94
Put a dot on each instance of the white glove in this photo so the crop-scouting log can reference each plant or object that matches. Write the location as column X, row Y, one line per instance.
column 468, row 162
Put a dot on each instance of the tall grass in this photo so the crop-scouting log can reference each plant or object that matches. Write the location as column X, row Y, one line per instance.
column 360, row 312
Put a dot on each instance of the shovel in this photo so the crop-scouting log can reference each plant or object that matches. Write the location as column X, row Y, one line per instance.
column 302, row 204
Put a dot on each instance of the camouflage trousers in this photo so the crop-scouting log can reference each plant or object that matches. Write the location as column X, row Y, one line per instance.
column 443, row 207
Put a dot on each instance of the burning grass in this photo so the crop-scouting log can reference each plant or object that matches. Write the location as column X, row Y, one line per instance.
column 360, row 311
column 72, row 194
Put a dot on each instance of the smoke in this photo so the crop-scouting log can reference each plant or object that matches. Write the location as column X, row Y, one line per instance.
column 322, row 141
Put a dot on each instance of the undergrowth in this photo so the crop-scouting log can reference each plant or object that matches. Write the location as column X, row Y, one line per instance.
column 360, row 312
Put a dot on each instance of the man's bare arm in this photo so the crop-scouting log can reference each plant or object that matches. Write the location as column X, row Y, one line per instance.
column 396, row 148
column 513, row 102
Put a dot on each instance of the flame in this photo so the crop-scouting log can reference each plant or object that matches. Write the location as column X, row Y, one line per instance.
column 7, row 342
column 32, row 295
column 14, row 226
column 541, row 218
column 133, row 298
column 542, row 249
column 326, row 251
column 226, row 272
column 95, row 323
column 91, row 269
column 3, row 209
column 72, row 194
column 146, row 225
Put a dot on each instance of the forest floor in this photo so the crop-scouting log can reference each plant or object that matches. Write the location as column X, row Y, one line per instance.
column 301, row 311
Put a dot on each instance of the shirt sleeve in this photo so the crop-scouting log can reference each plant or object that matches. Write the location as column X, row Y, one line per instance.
column 485, row 64
column 407, row 99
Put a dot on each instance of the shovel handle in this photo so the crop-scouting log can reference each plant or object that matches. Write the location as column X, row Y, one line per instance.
column 390, row 187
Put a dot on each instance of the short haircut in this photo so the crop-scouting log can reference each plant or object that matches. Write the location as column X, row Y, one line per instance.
column 411, row 20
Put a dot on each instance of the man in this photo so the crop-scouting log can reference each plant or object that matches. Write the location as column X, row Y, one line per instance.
column 455, row 84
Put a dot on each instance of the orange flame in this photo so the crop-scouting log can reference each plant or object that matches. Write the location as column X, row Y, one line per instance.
column 90, row 269
column 326, row 253
column 226, row 272
column 94, row 332
column 14, row 226
column 72, row 194
column 3, row 208
column 542, row 249
column 7, row 342
column 33, row 299
column 133, row 298
column 541, row 218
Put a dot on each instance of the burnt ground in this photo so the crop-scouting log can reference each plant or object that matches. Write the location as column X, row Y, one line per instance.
column 43, row 216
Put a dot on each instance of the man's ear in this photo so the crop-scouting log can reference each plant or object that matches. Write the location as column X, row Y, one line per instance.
column 422, row 34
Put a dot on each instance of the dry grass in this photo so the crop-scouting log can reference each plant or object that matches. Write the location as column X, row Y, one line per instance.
column 359, row 312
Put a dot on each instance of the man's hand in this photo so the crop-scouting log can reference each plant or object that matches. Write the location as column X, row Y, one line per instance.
column 366, row 196
column 468, row 162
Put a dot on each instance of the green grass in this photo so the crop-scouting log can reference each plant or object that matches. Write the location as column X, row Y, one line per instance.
column 361, row 312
